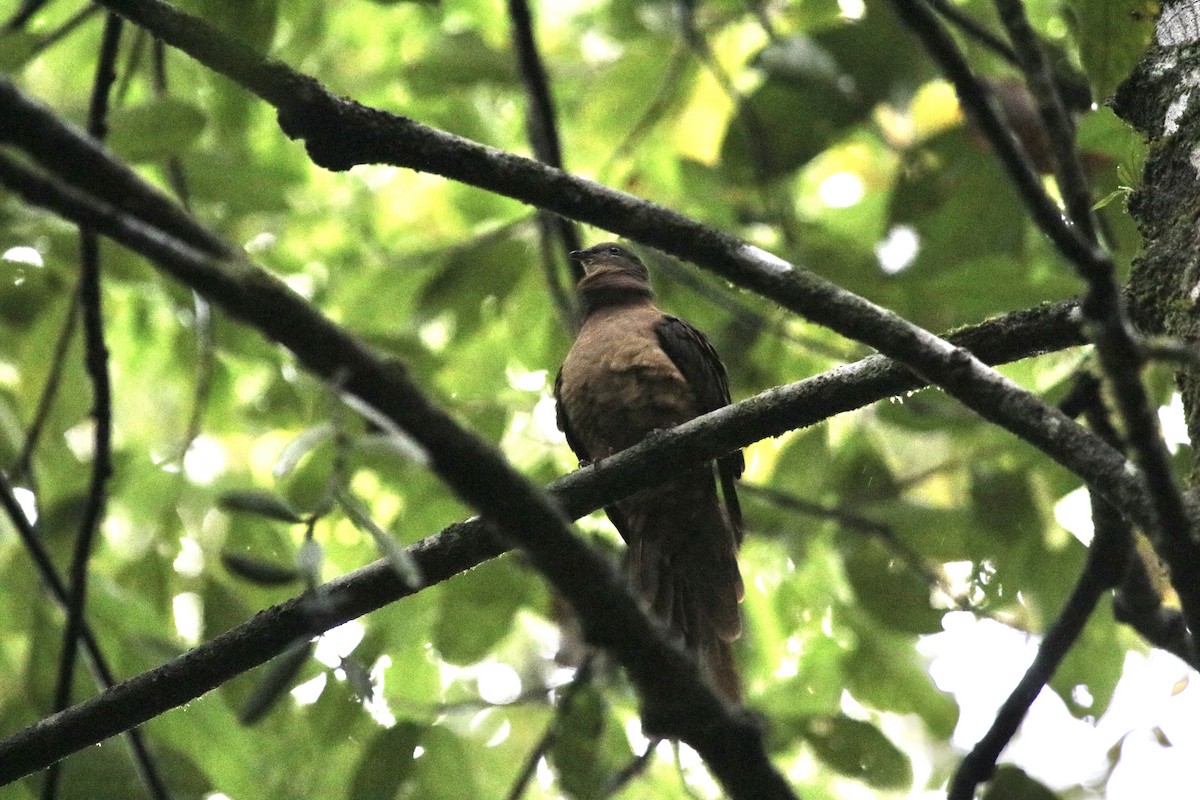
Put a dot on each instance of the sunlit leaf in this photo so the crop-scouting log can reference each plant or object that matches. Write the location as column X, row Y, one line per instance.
column 260, row 503
column 860, row 750
column 156, row 129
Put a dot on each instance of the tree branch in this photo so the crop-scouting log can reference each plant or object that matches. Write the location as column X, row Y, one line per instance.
column 1120, row 352
column 143, row 761
column 676, row 701
column 1105, row 567
column 984, row 110
column 96, row 364
column 340, row 133
column 543, row 137
column 467, row 544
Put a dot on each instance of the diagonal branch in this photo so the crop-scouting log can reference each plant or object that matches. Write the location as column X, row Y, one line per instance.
column 1120, row 352
column 466, row 544
column 96, row 364
column 340, row 133
column 542, row 129
column 1108, row 556
column 676, row 701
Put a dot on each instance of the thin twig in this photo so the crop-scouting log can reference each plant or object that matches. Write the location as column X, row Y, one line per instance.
column 66, row 29
column 1119, row 349
column 1120, row 357
column 23, row 15
column 981, row 106
column 974, row 29
column 1104, row 570
column 143, row 761
column 542, row 128
column 96, row 362
column 582, row 677
column 631, row 770
column 202, row 321
column 659, row 104
column 1059, row 127
column 859, row 524
column 21, row 467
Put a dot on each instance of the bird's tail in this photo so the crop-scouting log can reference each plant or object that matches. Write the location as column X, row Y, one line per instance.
column 683, row 563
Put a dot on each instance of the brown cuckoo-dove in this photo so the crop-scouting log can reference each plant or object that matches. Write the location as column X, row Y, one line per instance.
column 634, row 370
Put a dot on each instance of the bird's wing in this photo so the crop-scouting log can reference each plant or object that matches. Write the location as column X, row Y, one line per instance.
column 564, row 425
column 698, row 362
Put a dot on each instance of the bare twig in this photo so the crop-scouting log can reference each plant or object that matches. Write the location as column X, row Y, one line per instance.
column 974, row 29
column 143, row 761
column 542, row 128
column 1120, row 357
column 1104, row 570
column 677, row 703
column 658, row 105
column 21, row 467
column 634, row 768
column 583, row 677
column 66, row 29
column 982, row 107
column 1060, row 128
column 1119, row 349
column 96, row 362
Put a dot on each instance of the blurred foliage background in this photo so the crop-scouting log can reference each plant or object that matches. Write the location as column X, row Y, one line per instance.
column 813, row 128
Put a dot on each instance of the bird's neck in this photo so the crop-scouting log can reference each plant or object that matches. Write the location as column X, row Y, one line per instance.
column 607, row 290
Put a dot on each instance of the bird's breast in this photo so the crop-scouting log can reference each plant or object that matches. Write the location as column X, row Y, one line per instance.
column 619, row 385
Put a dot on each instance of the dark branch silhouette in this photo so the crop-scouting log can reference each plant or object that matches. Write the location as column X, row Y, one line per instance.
column 96, row 364
column 676, row 701
column 340, row 133
column 542, row 128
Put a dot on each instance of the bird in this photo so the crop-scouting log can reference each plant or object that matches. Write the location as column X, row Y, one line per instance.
column 631, row 371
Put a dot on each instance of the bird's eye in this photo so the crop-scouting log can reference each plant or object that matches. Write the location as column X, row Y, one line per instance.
column 614, row 251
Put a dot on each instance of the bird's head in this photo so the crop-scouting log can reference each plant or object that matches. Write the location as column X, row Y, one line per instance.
column 610, row 258
column 612, row 276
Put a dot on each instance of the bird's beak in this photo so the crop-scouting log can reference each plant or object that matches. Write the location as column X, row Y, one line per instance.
column 581, row 258
column 590, row 264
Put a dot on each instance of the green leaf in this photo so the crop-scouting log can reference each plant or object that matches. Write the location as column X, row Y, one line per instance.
column 402, row 561
column 589, row 745
column 1087, row 677
column 159, row 128
column 1011, row 783
column 860, row 750
column 25, row 291
column 763, row 140
column 888, row 588
column 259, row 502
column 16, row 49
column 477, row 610
column 446, row 770
column 884, row 671
column 387, row 763
column 461, row 60
column 264, row 573
column 962, row 207
column 1003, row 504
column 277, row 680
column 1112, row 35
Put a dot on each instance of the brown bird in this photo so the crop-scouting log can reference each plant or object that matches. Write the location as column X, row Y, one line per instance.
column 634, row 370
